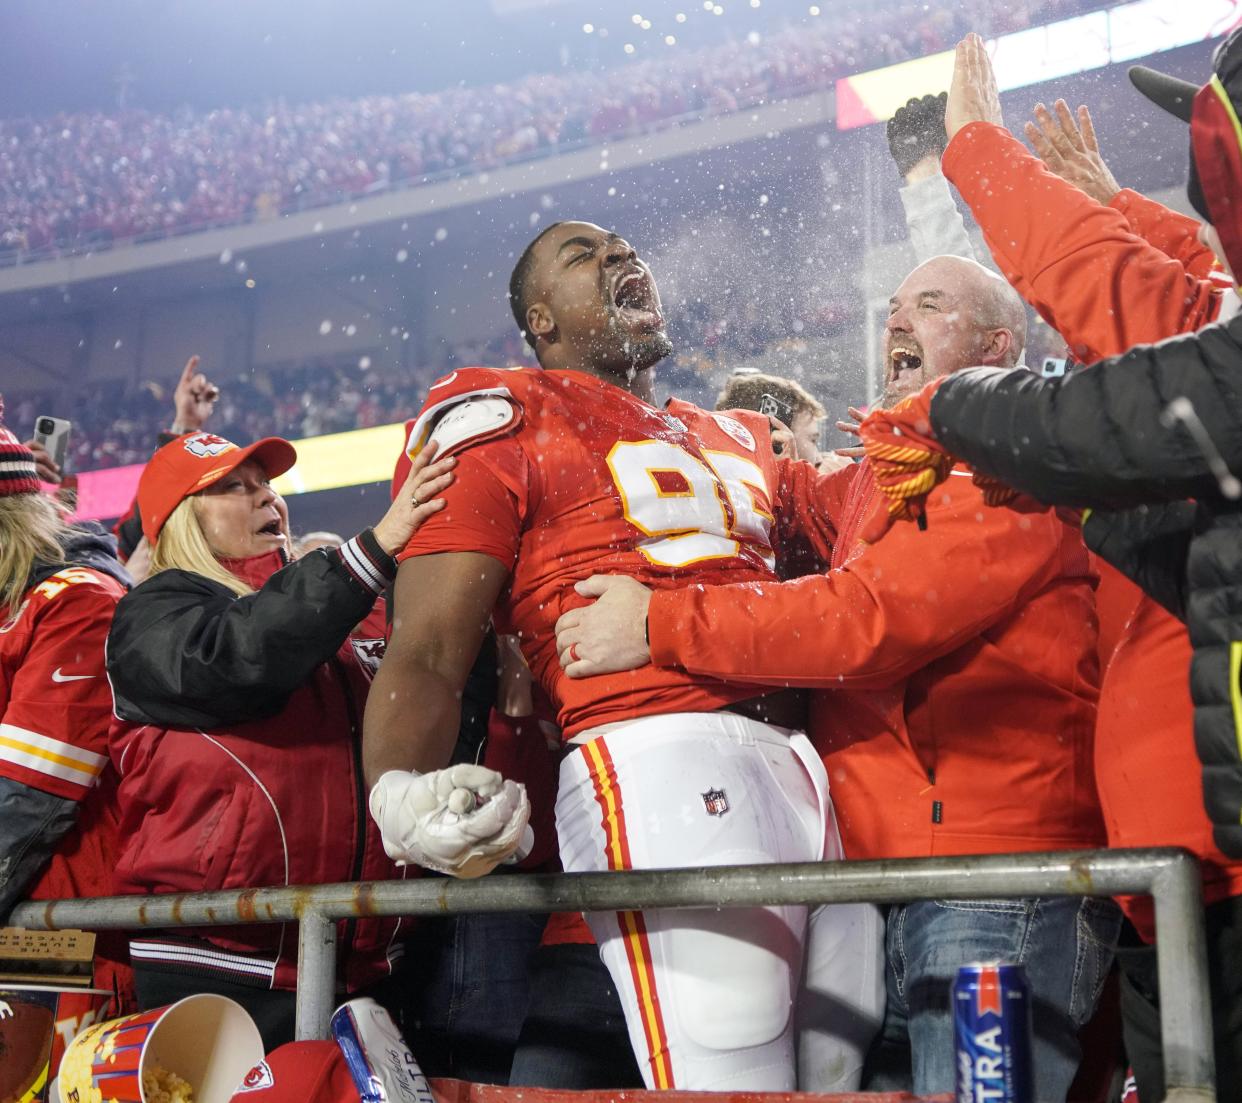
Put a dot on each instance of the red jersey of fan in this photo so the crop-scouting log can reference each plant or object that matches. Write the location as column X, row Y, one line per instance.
column 53, row 691
column 561, row 476
column 55, row 708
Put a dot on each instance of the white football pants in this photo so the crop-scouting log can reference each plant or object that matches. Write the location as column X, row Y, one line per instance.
column 710, row 996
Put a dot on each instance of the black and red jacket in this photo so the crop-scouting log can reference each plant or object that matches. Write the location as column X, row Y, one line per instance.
column 238, row 745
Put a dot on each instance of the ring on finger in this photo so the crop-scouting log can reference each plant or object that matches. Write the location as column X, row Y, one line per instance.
column 573, row 653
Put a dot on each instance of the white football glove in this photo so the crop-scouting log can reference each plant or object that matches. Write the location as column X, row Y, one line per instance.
column 464, row 820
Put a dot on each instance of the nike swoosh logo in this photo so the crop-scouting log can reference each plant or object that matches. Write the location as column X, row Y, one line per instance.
column 57, row 676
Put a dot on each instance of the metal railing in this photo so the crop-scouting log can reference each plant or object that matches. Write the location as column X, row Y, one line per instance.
column 1171, row 877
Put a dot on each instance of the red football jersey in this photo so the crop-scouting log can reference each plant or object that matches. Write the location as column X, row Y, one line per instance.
column 55, row 702
column 561, row 476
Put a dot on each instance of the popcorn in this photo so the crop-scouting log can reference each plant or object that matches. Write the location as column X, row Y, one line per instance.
column 161, row 1086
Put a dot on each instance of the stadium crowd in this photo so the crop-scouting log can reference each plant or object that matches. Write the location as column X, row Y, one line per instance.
column 116, row 422
column 629, row 635
column 82, row 181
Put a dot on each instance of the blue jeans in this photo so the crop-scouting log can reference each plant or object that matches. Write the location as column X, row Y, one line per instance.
column 467, row 991
column 1065, row 944
column 575, row 1034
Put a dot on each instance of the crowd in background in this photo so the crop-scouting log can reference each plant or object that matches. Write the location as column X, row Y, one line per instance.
column 82, row 181
column 116, row 422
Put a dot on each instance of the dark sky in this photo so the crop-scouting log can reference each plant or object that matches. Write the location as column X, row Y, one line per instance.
column 66, row 54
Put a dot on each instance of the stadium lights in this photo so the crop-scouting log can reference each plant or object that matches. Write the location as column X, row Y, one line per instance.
column 1036, row 54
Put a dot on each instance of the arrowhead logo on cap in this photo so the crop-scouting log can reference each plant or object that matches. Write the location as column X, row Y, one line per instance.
column 205, row 445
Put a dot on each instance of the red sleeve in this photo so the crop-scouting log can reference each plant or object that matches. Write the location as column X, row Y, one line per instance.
column 485, row 506
column 1099, row 284
column 874, row 621
column 809, row 505
column 1174, row 234
column 54, row 731
column 401, row 469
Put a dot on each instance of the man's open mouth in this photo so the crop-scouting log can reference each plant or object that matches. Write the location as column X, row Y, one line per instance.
column 272, row 528
column 635, row 300
column 902, row 360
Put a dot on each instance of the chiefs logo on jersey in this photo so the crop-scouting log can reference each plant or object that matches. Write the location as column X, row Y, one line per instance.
column 736, row 430
column 206, row 445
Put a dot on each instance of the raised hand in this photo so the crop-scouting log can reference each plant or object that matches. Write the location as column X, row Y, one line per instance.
column 973, row 95
column 1070, row 149
column 916, row 136
column 193, row 400
column 45, row 466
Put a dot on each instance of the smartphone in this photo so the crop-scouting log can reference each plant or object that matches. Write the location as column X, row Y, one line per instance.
column 771, row 406
column 53, row 434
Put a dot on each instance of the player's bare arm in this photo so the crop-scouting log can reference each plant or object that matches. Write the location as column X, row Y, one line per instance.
column 461, row 820
column 441, row 608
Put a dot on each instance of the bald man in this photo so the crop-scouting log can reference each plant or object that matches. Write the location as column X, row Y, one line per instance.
column 958, row 676
column 949, row 313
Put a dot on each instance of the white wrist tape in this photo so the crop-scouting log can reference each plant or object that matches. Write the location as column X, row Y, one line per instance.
column 464, row 820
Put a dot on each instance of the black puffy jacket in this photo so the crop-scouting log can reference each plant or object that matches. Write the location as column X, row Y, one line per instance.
column 1151, row 441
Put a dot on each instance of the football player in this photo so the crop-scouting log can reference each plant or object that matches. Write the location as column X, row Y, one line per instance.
column 569, row 470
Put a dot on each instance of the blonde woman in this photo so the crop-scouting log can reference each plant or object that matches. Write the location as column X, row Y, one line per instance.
column 240, row 692
column 59, row 585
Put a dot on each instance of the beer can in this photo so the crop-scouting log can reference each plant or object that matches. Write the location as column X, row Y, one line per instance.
column 992, row 1034
column 381, row 1064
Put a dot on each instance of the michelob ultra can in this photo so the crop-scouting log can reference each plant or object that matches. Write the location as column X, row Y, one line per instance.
column 992, row 1034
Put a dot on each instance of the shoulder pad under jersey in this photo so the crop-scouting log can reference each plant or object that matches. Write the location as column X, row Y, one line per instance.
column 467, row 407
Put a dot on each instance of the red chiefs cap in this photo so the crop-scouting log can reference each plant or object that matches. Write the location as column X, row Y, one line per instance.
column 190, row 463
column 300, row 1072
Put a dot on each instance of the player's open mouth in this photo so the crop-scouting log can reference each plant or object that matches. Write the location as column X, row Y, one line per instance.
column 272, row 528
column 635, row 300
column 902, row 360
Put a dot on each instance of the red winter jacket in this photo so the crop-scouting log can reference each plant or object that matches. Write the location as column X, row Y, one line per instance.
column 1109, row 278
column 238, row 747
column 955, row 668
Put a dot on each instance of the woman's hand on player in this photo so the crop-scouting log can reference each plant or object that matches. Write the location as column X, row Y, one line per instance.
column 416, row 500
column 610, row 634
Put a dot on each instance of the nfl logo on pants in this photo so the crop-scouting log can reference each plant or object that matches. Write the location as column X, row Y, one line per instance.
column 716, row 802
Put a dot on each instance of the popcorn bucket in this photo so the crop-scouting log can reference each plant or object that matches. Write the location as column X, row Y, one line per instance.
column 194, row 1051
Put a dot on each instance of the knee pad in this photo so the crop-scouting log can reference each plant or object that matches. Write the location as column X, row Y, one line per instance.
column 733, row 974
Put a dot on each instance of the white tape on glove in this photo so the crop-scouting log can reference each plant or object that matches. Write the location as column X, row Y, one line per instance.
column 463, row 820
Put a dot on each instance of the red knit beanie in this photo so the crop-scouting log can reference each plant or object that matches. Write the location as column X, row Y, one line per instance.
column 17, row 463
